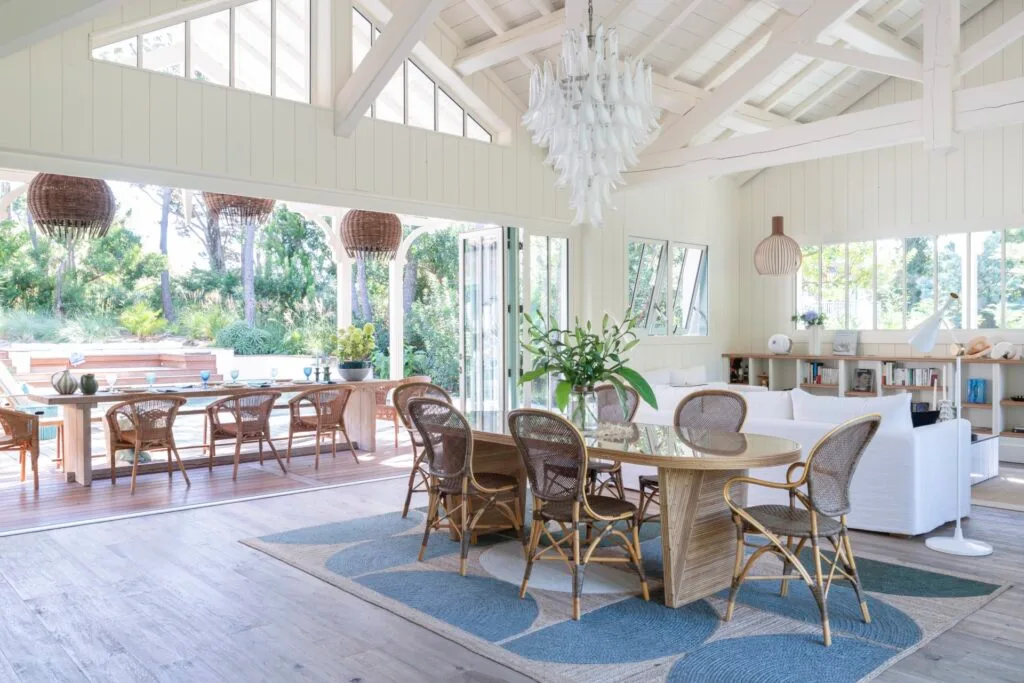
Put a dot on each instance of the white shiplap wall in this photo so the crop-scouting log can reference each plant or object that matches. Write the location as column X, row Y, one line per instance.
column 68, row 113
column 898, row 191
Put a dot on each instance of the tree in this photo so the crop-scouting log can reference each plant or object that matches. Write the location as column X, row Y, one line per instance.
column 249, row 273
column 166, row 195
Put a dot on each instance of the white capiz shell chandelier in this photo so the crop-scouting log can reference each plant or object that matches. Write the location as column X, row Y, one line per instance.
column 592, row 114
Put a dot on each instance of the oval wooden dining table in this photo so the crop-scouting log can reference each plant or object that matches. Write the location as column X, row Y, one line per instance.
column 698, row 536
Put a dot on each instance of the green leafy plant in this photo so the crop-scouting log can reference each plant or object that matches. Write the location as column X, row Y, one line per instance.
column 248, row 341
column 205, row 319
column 356, row 344
column 143, row 321
column 583, row 357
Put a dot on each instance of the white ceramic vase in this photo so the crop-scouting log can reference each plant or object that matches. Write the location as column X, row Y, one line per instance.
column 814, row 340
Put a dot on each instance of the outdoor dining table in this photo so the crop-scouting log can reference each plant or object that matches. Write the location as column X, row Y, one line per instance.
column 698, row 535
column 360, row 415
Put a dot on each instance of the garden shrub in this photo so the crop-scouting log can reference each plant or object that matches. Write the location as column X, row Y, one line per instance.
column 248, row 341
column 143, row 321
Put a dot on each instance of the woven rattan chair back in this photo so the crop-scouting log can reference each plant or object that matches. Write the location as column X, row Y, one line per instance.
column 18, row 427
column 447, row 441
column 147, row 421
column 719, row 411
column 832, row 462
column 328, row 403
column 553, row 455
column 610, row 408
column 251, row 411
column 409, row 390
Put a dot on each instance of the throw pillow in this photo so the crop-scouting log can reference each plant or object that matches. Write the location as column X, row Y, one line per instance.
column 895, row 409
column 771, row 405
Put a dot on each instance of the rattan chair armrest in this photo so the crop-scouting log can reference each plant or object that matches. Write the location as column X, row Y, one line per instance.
column 792, row 468
column 756, row 482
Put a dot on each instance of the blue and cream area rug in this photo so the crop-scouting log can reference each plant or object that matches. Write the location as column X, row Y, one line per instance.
column 620, row 637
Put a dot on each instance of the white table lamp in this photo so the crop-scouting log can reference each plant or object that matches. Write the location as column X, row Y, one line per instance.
column 922, row 339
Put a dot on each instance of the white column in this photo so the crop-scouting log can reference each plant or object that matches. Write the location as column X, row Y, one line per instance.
column 343, row 267
column 396, row 316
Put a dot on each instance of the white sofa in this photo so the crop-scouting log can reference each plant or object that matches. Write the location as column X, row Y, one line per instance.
column 904, row 483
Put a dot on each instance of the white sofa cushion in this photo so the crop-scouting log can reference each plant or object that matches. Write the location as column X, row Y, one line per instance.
column 895, row 410
column 768, row 404
column 688, row 377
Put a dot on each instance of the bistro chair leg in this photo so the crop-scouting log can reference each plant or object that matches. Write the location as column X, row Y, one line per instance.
column 276, row 456
column 136, row 456
column 349, row 442
column 260, row 447
column 181, row 465
column 334, row 442
column 21, row 461
column 288, row 453
column 316, row 462
column 170, row 464
column 213, row 453
column 238, row 455
column 35, row 469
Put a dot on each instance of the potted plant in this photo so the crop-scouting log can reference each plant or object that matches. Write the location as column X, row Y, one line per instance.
column 581, row 358
column 355, row 346
column 815, row 323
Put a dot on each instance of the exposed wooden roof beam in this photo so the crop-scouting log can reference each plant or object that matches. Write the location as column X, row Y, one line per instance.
column 688, row 8
column 723, row 29
column 992, row 44
column 988, row 106
column 822, row 15
column 796, row 79
column 901, row 68
column 863, row 35
column 941, row 51
column 825, row 91
column 539, row 34
column 745, row 51
column 542, row 6
column 886, row 11
column 24, row 23
column 498, row 26
column 909, row 25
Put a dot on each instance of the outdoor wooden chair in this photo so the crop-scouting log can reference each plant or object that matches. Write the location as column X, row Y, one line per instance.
column 328, row 405
column 812, row 514
column 603, row 475
column 20, row 432
column 140, row 424
column 250, row 415
column 555, row 458
column 447, row 440
column 419, row 479
column 385, row 409
column 711, row 409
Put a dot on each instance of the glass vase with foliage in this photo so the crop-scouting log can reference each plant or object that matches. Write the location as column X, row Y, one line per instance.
column 582, row 358
column 355, row 347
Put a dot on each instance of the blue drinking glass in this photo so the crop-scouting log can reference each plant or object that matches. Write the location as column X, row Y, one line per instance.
column 234, row 375
column 151, row 379
column 205, row 376
column 307, row 371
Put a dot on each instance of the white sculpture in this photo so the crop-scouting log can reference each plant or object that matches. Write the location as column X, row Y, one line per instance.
column 780, row 344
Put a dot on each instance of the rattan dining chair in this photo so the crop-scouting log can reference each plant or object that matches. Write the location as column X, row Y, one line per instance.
column 819, row 512
column 454, row 485
column 555, row 459
column 711, row 409
column 604, row 476
column 328, row 405
column 419, row 479
column 20, row 432
column 144, row 423
column 250, row 414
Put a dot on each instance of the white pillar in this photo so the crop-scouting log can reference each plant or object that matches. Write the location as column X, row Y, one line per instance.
column 396, row 316
column 343, row 268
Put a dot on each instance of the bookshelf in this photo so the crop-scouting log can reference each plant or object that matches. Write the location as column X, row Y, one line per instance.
column 996, row 412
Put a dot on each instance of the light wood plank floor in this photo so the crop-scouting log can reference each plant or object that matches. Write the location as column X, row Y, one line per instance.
column 175, row 597
column 1005, row 491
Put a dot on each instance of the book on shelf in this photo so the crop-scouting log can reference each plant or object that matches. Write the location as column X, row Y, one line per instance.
column 977, row 390
column 818, row 373
column 895, row 375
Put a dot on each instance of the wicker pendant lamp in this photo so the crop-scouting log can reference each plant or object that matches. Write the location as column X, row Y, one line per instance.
column 777, row 254
column 238, row 209
column 371, row 235
column 68, row 208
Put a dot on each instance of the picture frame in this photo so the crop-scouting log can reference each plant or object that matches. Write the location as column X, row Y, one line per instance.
column 844, row 343
column 864, row 380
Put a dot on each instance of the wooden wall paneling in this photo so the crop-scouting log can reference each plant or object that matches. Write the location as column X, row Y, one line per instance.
column 76, row 93
column 305, row 146
column 935, row 187
column 239, row 139
column 495, row 176
column 826, row 196
column 435, row 168
column 283, row 139
column 16, row 76
column 345, row 155
column 840, row 192
column 451, row 170
column 886, row 168
column 107, row 111
column 855, row 187
column 163, row 126
column 812, row 200
column 383, row 172
column 467, row 180
column 1013, row 136
column 135, row 116
column 189, row 118
column 509, row 179
column 992, row 18
column 918, row 184
column 326, row 149
column 418, row 178
column 365, row 159
column 759, row 210
column 481, row 175
column 955, row 179
column 870, row 193
column 795, row 220
column 261, row 132
column 400, row 155
column 215, row 129
column 46, row 98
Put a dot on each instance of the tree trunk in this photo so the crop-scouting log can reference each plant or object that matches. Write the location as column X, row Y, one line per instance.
column 408, row 286
column 362, row 291
column 214, row 245
column 58, row 289
column 33, row 236
column 249, row 273
column 165, row 276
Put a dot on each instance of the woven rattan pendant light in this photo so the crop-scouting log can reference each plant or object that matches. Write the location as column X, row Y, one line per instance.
column 777, row 254
column 238, row 209
column 371, row 235
column 68, row 208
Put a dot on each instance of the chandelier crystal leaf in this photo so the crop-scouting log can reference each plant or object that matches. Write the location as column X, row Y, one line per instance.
column 592, row 113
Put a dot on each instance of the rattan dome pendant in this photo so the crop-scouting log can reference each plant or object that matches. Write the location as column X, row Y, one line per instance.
column 777, row 254
column 67, row 208
column 238, row 209
column 371, row 235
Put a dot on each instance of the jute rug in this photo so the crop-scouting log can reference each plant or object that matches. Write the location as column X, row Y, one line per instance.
column 621, row 637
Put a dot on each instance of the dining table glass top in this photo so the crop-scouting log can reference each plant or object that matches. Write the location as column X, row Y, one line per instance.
column 665, row 445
